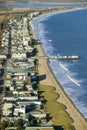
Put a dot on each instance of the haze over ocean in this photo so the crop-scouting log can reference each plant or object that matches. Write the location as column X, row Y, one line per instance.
column 29, row 4
column 66, row 34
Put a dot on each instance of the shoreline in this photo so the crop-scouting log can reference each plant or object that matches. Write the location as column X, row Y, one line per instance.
column 62, row 10
column 47, row 62
column 63, row 97
column 79, row 121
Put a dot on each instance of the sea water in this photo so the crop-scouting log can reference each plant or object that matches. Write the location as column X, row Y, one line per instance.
column 66, row 34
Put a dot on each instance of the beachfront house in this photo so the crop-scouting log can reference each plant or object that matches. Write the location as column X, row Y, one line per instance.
column 33, row 77
column 40, row 128
column 11, row 128
column 37, row 118
column 3, row 57
column 18, row 56
column 19, row 110
column 7, row 110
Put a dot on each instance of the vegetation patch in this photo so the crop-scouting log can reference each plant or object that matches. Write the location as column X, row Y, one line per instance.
column 57, row 111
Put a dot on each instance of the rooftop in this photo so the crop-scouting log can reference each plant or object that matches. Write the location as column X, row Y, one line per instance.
column 40, row 128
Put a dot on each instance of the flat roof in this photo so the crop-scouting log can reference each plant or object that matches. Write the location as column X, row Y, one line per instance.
column 40, row 128
column 11, row 128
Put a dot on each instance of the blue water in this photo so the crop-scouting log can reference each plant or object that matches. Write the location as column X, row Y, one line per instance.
column 66, row 34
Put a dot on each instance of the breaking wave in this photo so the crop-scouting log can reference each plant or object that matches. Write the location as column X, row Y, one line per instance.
column 73, row 80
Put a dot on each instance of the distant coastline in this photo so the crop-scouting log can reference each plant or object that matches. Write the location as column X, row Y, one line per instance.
column 26, row 3
column 46, row 1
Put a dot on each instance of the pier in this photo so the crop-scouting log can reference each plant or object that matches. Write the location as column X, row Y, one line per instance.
column 72, row 57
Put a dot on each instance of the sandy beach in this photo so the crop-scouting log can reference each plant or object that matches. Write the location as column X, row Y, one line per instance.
column 79, row 121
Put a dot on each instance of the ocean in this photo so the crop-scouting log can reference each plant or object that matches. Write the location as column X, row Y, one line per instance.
column 66, row 34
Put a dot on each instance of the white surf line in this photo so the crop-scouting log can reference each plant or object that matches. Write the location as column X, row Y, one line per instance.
column 73, row 81
column 49, row 40
column 63, row 67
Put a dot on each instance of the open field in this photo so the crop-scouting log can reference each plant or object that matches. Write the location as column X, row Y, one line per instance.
column 56, row 110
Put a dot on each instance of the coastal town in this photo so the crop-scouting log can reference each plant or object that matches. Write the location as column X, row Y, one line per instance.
column 21, row 100
column 23, row 66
